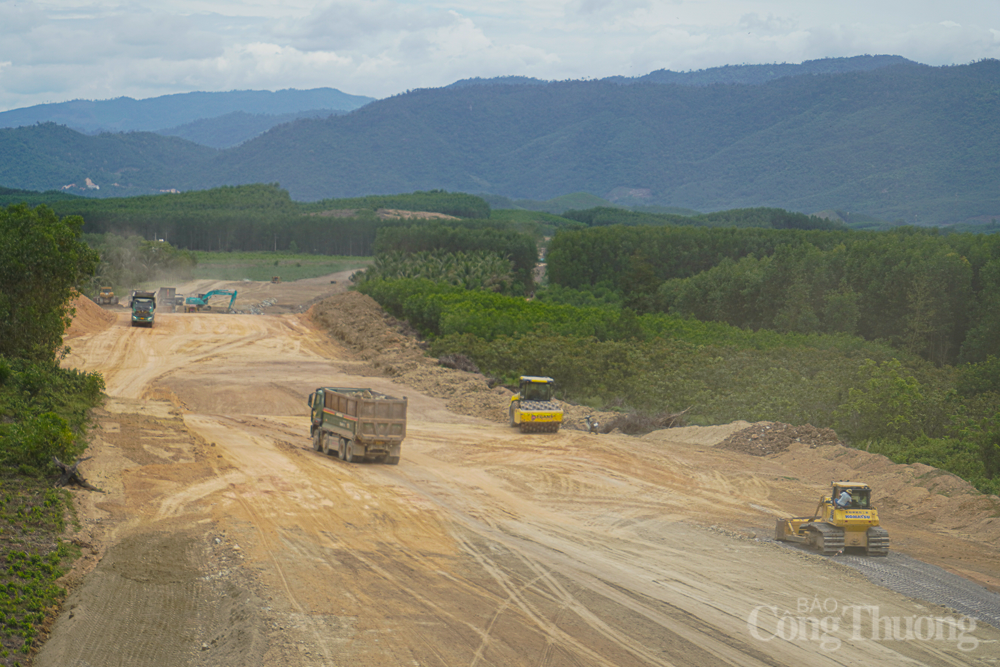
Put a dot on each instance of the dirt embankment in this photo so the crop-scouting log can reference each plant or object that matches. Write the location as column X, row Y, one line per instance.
column 393, row 350
column 88, row 317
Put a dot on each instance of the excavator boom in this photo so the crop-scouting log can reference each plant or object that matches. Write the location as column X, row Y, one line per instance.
column 200, row 302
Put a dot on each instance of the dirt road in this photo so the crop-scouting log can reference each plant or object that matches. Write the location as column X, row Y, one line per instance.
column 223, row 539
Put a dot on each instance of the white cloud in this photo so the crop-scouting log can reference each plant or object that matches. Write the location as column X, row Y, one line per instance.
column 67, row 49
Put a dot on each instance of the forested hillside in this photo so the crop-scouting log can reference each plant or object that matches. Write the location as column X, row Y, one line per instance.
column 903, row 143
column 53, row 157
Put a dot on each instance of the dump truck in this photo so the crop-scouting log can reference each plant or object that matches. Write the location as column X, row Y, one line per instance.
column 533, row 407
column 836, row 526
column 167, row 298
column 106, row 297
column 357, row 424
column 200, row 302
column 143, row 308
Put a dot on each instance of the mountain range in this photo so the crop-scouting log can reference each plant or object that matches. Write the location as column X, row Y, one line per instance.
column 218, row 120
column 874, row 135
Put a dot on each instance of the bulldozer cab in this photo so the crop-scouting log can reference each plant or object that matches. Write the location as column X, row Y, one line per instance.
column 536, row 388
column 861, row 494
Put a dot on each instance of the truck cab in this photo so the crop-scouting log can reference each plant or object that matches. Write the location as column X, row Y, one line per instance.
column 143, row 308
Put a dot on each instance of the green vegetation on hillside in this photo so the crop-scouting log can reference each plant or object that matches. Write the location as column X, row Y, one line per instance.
column 765, row 218
column 42, row 259
column 928, row 293
column 874, row 396
column 456, row 204
column 10, row 196
column 43, row 413
column 254, row 218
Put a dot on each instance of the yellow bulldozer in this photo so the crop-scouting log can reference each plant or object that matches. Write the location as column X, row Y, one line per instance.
column 846, row 518
column 533, row 407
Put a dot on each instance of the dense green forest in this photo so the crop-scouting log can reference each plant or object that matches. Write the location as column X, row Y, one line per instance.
column 901, row 143
column 930, row 294
column 44, row 412
column 261, row 217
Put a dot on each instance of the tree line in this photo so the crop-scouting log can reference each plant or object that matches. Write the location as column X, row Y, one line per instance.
column 925, row 292
column 260, row 217
column 43, row 408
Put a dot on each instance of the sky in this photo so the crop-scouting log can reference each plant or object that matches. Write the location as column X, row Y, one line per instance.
column 96, row 49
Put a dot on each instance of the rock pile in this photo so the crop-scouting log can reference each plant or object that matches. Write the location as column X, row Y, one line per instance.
column 765, row 438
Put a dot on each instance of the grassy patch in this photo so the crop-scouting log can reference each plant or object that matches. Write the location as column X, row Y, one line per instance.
column 32, row 516
column 264, row 265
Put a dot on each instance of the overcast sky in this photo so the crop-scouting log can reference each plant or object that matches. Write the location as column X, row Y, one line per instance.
column 98, row 49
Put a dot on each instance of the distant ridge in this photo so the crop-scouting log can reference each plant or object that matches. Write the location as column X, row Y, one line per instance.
column 742, row 74
column 124, row 114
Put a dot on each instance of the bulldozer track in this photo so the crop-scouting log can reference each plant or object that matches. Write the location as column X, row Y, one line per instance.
column 917, row 579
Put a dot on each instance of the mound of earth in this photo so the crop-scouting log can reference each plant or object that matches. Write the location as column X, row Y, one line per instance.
column 764, row 438
column 88, row 318
column 393, row 350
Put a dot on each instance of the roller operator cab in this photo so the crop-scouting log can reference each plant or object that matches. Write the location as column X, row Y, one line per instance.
column 533, row 408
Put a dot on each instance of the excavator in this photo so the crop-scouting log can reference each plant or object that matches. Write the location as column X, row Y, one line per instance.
column 198, row 303
column 845, row 518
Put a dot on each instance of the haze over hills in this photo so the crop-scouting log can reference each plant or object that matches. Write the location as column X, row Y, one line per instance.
column 742, row 74
column 901, row 141
column 212, row 119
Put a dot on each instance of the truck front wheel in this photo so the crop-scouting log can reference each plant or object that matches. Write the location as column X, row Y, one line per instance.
column 318, row 440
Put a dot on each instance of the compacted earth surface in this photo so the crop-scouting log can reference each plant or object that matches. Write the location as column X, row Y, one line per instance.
column 219, row 537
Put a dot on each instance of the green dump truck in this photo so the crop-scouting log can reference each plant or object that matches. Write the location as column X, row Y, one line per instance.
column 357, row 424
column 143, row 308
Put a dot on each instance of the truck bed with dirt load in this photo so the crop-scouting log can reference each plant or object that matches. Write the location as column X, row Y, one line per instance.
column 357, row 424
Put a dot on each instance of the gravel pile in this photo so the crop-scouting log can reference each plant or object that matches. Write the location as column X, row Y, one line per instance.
column 765, row 438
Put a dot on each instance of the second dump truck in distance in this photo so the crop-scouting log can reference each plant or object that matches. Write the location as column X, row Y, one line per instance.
column 357, row 423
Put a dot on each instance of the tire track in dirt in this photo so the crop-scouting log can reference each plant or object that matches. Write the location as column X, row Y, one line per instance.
column 484, row 546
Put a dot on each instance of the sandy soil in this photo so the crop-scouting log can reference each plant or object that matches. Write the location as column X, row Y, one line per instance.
column 222, row 539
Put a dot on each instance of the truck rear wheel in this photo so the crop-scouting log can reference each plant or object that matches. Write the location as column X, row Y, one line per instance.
column 392, row 460
column 349, row 452
column 512, row 423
